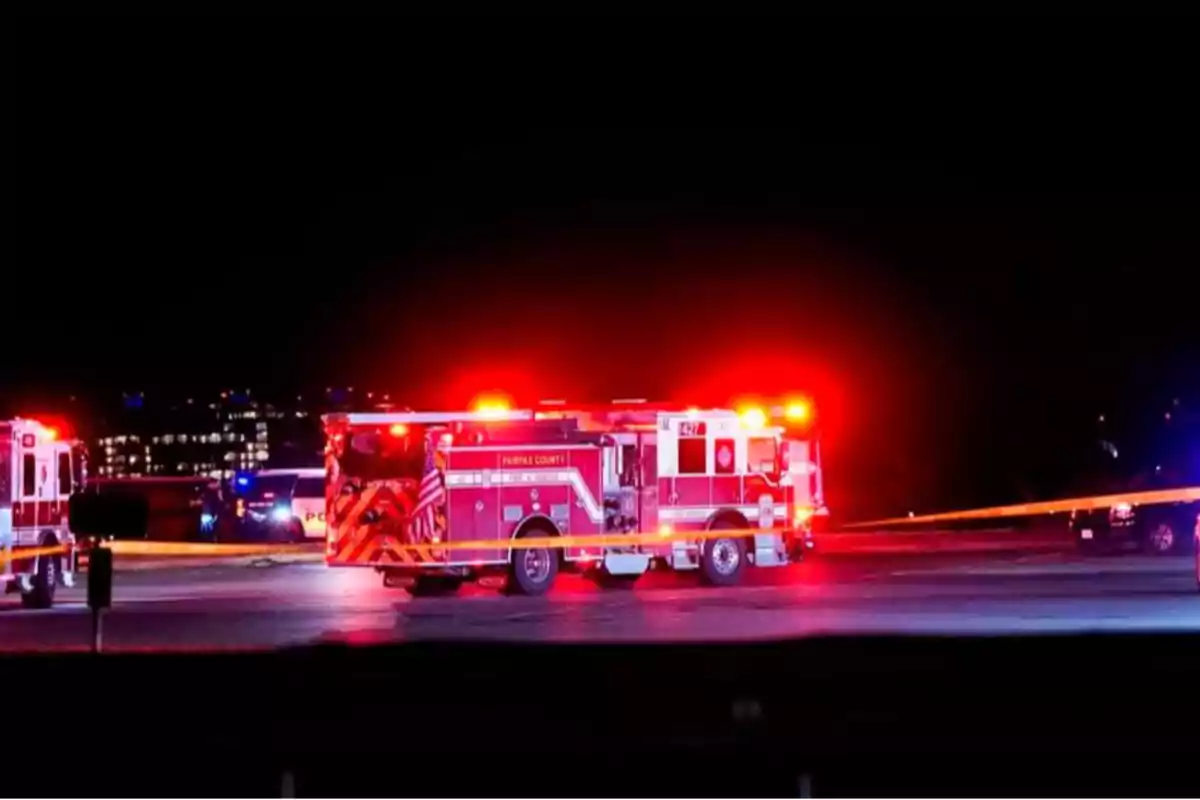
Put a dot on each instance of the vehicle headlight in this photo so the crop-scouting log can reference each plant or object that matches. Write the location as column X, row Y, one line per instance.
column 207, row 519
column 281, row 513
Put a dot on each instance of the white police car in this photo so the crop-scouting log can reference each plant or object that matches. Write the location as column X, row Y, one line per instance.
column 283, row 504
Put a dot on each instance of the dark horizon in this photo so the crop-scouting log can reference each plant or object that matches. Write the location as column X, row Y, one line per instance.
column 955, row 271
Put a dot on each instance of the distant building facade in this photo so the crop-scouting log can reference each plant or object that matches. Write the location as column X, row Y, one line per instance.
column 216, row 437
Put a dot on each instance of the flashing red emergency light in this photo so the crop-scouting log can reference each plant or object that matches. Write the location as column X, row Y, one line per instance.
column 798, row 411
column 753, row 418
column 492, row 406
column 399, row 429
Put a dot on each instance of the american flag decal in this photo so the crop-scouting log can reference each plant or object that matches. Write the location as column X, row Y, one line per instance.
column 431, row 496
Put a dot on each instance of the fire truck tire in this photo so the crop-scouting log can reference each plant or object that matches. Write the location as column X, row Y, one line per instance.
column 723, row 560
column 45, row 581
column 532, row 572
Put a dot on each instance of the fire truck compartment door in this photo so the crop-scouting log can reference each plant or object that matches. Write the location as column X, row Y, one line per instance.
column 802, row 469
column 648, row 494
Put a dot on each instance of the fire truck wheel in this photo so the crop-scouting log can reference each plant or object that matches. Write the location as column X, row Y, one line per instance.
column 723, row 560
column 45, row 581
column 532, row 571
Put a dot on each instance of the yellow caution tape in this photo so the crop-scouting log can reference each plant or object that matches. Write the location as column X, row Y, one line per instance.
column 1047, row 507
column 140, row 547
column 30, row 552
column 594, row 540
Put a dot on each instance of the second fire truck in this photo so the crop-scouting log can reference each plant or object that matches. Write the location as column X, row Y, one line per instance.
column 38, row 473
column 396, row 481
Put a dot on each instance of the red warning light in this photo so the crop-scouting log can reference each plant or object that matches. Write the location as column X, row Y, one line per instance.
column 399, row 429
column 798, row 411
column 492, row 406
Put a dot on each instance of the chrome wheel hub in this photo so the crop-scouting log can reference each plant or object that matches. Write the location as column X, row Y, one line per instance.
column 725, row 556
column 536, row 564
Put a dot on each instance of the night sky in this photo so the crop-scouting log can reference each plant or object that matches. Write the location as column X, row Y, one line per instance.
column 967, row 238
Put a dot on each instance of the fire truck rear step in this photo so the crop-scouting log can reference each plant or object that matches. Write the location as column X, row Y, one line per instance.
column 684, row 556
column 626, row 563
column 769, row 552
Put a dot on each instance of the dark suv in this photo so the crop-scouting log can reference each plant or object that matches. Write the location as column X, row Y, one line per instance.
column 1160, row 529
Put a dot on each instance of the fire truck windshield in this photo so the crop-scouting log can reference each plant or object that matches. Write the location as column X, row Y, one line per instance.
column 380, row 454
column 762, row 455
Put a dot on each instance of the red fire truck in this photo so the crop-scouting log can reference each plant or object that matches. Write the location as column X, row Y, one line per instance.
column 38, row 472
column 395, row 480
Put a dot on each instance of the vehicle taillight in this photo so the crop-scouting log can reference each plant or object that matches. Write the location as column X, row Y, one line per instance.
column 1121, row 511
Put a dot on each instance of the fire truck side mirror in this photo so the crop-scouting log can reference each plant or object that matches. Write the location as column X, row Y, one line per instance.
column 109, row 515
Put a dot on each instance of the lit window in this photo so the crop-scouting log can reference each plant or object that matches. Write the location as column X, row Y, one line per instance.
column 168, row 439
column 262, row 436
column 183, row 437
column 120, row 440
column 230, row 456
column 260, row 426
column 261, row 455
column 154, row 440
column 214, row 437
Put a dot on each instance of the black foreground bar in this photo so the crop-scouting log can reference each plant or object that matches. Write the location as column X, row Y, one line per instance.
column 1092, row 716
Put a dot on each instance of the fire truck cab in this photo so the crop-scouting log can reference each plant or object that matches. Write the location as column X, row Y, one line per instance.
column 438, row 480
column 38, row 473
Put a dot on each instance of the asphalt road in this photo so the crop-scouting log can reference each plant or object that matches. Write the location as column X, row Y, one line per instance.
column 270, row 606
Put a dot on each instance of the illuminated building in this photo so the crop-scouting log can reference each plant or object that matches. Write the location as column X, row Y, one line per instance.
column 232, row 432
